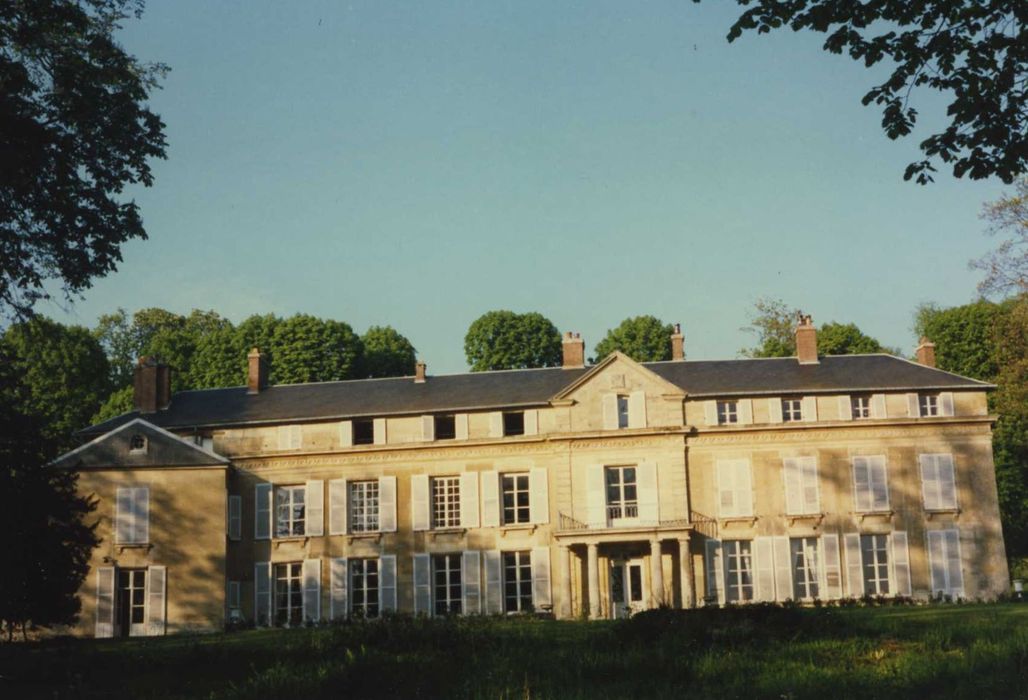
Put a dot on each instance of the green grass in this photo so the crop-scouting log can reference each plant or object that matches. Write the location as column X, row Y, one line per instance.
column 958, row 651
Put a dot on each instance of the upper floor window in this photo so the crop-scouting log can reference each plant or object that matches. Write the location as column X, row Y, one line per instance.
column 514, row 423
column 622, row 493
column 860, row 406
column 622, row 411
column 792, row 410
column 364, row 432
column 446, row 501
column 735, row 490
column 937, row 482
column 290, row 511
column 132, row 515
column 363, row 502
column 137, row 443
column 516, row 492
column 870, row 485
column 445, row 427
column 928, row 404
column 727, row 412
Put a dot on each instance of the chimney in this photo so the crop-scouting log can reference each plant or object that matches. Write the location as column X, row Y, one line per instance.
column 419, row 372
column 677, row 343
column 926, row 353
column 806, row 340
column 151, row 386
column 574, row 351
column 257, row 374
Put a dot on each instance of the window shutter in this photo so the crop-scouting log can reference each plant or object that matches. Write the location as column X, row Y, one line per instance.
column 715, row 574
column 419, row 502
column 745, row 411
column 726, row 488
column 947, row 481
column 491, row 499
column 379, row 431
column 636, row 409
column 538, row 495
column 845, row 407
column 541, row 578
column 596, row 495
column 105, row 602
column 338, row 607
column 913, row 406
column 809, row 409
column 387, row 504
column 793, row 486
column 946, row 403
column 337, row 507
column 262, row 512
column 460, row 425
column 879, row 483
column 649, row 505
column 765, row 567
column 496, row 424
column 937, row 561
column 427, row 428
column 854, row 565
column 743, row 488
column 493, row 582
column 532, row 422
column 929, row 481
column 262, row 593
column 423, row 584
column 141, row 514
column 610, row 412
column 710, row 412
column 312, row 590
column 346, row 433
column 861, row 484
column 469, row 500
column 471, row 582
column 954, row 570
column 235, row 517
column 811, row 491
column 387, row 582
column 314, row 507
column 124, row 517
column 774, row 409
column 832, row 568
column 783, row 569
column 900, row 563
column 878, row 406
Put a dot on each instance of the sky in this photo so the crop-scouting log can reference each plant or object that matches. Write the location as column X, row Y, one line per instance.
column 418, row 164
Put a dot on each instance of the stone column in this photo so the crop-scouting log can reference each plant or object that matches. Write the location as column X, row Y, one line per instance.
column 564, row 567
column 656, row 574
column 593, row 566
column 685, row 571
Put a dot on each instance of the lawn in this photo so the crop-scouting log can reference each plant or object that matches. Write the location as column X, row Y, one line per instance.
column 958, row 651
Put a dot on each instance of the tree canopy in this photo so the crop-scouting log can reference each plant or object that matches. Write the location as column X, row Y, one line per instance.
column 845, row 339
column 509, row 340
column 386, row 353
column 774, row 324
column 310, row 349
column 643, row 338
column 975, row 51
column 74, row 132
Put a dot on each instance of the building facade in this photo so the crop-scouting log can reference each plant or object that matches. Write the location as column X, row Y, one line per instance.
column 579, row 491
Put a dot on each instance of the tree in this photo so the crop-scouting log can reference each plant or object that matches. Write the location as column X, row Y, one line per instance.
column 643, row 338
column 74, row 132
column 974, row 50
column 774, row 323
column 386, row 353
column 1006, row 268
column 964, row 337
column 507, row 340
column 845, row 339
column 309, row 349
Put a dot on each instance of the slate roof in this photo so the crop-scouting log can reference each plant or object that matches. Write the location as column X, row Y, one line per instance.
column 533, row 387
column 163, row 449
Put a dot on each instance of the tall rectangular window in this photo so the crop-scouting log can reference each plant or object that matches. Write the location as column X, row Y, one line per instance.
column 514, row 423
column 132, row 515
column 364, row 432
column 363, row 506
column 792, row 410
column 937, row 482
column 735, row 488
column 131, row 599
column 517, row 581
column 870, row 485
column 929, row 404
column 727, row 412
column 446, row 501
column 874, row 551
column 622, row 411
column 445, row 427
column 447, row 584
column 738, row 556
column 364, row 587
column 289, row 594
column 515, row 499
column 289, row 511
column 805, row 568
column 860, row 406
column 622, row 494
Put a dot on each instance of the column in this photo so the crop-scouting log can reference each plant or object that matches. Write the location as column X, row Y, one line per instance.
column 564, row 567
column 593, row 566
column 656, row 574
column 685, row 571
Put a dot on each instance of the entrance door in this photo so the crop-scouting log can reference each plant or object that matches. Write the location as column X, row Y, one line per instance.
column 131, row 618
column 626, row 587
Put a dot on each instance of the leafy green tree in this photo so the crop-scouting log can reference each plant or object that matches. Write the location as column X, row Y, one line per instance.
column 972, row 51
column 75, row 132
column 119, row 402
column 964, row 337
column 508, row 340
column 219, row 360
column 774, row 324
column 643, row 338
column 845, row 339
column 386, row 353
column 309, row 349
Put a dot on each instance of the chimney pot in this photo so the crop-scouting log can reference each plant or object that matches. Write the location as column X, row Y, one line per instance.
column 574, row 351
column 806, row 340
column 419, row 372
column 677, row 343
column 257, row 373
column 926, row 353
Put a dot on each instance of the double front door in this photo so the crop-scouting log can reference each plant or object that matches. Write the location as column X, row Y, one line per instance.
column 626, row 587
column 131, row 612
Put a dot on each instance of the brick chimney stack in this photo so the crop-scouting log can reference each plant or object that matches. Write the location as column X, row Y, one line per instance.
column 574, row 351
column 677, row 343
column 151, row 386
column 926, row 353
column 257, row 375
column 806, row 340
column 419, row 372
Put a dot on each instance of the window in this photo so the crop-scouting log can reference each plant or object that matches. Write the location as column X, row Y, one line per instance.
column 622, row 496
column 622, row 411
column 937, row 482
column 870, row 487
column 234, row 602
column 860, row 406
column 944, row 562
column 514, row 423
column 289, row 594
column 738, row 570
column 801, row 489
column 131, row 598
column 517, row 582
column 735, row 492
column 445, row 427
column 132, row 515
column 289, row 511
column 515, row 499
column 727, row 412
column 364, row 587
column 364, row 432
column 928, row 404
column 805, row 576
column 792, row 410
column 137, row 443
column 875, row 555
column 363, row 506
column 446, row 501
column 447, row 584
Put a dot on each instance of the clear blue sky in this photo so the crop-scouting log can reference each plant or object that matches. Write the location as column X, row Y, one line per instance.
column 418, row 164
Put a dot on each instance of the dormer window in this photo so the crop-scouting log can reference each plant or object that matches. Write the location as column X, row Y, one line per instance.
column 514, row 423
column 137, row 443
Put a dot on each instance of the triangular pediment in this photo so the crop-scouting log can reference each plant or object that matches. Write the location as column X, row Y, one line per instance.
column 613, row 369
column 135, row 444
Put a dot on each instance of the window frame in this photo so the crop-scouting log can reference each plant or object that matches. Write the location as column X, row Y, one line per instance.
column 449, row 506
column 792, row 410
column 738, row 566
column 624, row 408
column 871, row 462
column 929, row 404
column 520, row 561
column 516, row 491
column 860, row 406
column 293, row 585
column 727, row 411
column 451, row 602
column 360, row 513
column 364, row 570
column 879, row 561
column 806, row 576
column 510, row 420
column 363, row 431
column 291, row 520
column 622, row 509
column 444, row 426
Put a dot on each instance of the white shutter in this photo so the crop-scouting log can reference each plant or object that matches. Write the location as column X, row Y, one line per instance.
column 235, row 517
column 743, row 488
column 596, row 496
column 141, row 508
column 726, row 488
column 419, row 502
column 262, row 512
column 954, row 569
column 793, row 485
column 715, row 573
column 845, row 407
column 854, row 566
column 312, row 590
column 636, row 409
column 379, row 431
column 532, row 422
column 900, row 563
column 337, row 507
column 541, row 578
column 105, row 602
column 423, row 584
column 831, row 566
column 913, row 406
column 346, row 433
column 929, row 481
column 649, row 506
column 460, row 424
column 262, row 593
column 947, row 481
column 610, row 411
column 491, row 499
column 879, row 483
column 878, row 406
column 811, row 490
column 124, row 516
column 538, row 495
column 387, row 582
column 745, row 411
column 783, row 569
column 338, row 579
column 861, row 484
column 774, row 410
column 314, row 508
column 469, row 500
column 710, row 412
column 428, row 428
column 496, row 424
column 471, row 582
column 387, row 504
column 765, row 569
column 809, row 409
column 493, row 582
column 946, row 403
column 937, row 561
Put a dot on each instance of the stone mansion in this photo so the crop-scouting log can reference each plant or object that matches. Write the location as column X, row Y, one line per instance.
column 578, row 491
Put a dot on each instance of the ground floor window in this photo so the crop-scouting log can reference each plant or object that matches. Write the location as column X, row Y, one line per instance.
column 364, row 587
column 447, row 571
column 517, row 581
column 289, row 594
column 874, row 551
column 738, row 570
column 131, row 598
column 805, row 568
